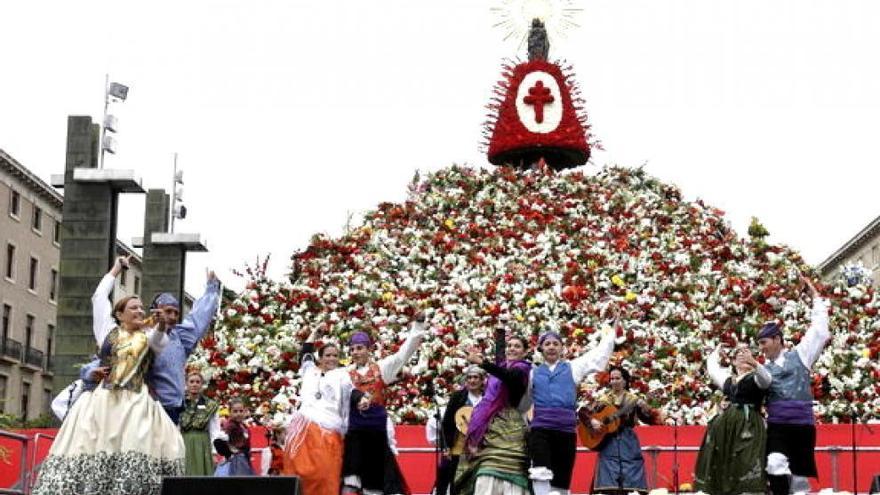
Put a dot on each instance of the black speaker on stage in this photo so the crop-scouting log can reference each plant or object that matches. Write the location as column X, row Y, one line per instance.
column 230, row 485
column 875, row 484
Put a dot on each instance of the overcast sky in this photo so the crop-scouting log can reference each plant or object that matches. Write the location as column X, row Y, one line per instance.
column 290, row 115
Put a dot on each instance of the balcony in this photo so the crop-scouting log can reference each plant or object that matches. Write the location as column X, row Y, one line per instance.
column 33, row 357
column 10, row 349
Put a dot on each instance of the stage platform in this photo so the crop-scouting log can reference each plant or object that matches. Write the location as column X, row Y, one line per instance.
column 663, row 447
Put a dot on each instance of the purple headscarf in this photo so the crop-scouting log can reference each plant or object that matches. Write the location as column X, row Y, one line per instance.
column 548, row 335
column 360, row 338
column 494, row 400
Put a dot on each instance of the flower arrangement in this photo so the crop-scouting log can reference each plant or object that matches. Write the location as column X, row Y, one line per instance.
column 537, row 250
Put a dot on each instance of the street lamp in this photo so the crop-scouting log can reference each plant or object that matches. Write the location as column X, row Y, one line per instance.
column 178, row 210
column 113, row 92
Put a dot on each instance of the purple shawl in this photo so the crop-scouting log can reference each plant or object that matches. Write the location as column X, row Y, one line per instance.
column 494, row 400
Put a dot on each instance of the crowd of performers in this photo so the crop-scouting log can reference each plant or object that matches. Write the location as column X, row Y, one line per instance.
column 135, row 416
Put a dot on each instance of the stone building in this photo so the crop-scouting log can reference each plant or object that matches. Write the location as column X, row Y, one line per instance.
column 864, row 247
column 30, row 245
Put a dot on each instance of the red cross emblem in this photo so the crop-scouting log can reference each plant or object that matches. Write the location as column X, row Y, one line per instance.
column 538, row 96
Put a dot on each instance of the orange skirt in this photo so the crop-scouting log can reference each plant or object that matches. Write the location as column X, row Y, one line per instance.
column 315, row 455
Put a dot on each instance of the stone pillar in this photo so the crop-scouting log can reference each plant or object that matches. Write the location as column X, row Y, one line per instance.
column 88, row 243
column 164, row 261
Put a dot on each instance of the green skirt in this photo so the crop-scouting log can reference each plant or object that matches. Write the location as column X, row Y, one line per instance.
column 199, row 461
column 504, row 454
column 732, row 457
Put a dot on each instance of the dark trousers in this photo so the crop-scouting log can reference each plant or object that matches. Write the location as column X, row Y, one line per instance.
column 173, row 413
column 446, row 475
column 554, row 450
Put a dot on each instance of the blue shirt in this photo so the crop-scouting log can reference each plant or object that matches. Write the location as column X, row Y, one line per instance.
column 167, row 375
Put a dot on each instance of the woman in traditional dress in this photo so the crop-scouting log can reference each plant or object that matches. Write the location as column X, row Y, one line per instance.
column 731, row 458
column 621, row 467
column 200, row 425
column 117, row 439
column 314, row 445
column 496, row 457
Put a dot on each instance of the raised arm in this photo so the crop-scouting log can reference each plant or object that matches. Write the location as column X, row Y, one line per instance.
column 811, row 345
column 193, row 326
column 391, row 365
column 717, row 373
column 595, row 359
column 102, row 308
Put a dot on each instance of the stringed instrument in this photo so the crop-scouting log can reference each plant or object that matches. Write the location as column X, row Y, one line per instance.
column 462, row 420
column 610, row 417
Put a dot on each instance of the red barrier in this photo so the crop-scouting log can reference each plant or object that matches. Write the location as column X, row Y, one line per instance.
column 833, row 455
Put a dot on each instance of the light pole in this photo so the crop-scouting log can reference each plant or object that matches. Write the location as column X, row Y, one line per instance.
column 112, row 92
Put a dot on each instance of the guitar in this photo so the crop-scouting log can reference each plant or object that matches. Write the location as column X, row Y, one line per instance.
column 462, row 420
column 609, row 416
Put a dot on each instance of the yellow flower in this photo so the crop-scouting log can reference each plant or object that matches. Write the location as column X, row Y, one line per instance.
column 616, row 280
column 577, row 332
column 520, row 318
column 531, row 302
column 388, row 296
column 630, row 296
column 223, row 412
column 449, row 223
column 866, row 353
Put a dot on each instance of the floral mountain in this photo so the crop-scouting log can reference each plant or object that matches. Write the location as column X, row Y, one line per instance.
column 539, row 250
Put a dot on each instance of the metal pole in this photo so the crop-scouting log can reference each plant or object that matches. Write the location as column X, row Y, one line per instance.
column 104, row 118
column 174, row 193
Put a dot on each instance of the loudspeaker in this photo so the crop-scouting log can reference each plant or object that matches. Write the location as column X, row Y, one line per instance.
column 875, row 484
column 230, row 485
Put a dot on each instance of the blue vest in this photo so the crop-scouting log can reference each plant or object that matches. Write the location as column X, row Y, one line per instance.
column 555, row 394
column 790, row 398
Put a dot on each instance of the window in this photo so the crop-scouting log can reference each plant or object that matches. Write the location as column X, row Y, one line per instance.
column 3, row 393
column 10, row 261
column 35, row 269
column 123, row 279
column 53, row 284
column 7, row 316
column 37, row 219
column 56, row 233
column 137, row 285
column 25, row 399
column 50, row 336
column 15, row 203
column 47, row 399
column 29, row 331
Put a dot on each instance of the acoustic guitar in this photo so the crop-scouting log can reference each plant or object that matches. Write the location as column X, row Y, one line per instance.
column 608, row 415
column 462, row 419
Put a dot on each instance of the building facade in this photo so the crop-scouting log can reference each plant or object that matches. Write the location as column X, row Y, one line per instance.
column 30, row 249
column 864, row 247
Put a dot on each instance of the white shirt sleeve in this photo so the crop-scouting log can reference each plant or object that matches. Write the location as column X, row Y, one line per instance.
column 763, row 378
column 392, row 438
column 718, row 374
column 102, row 309
column 813, row 342
column 391, row 365
column 157, row 340
column 595, row 359
column 214, row 430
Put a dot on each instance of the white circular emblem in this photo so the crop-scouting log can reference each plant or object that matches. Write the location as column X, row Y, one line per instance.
column 538, row 102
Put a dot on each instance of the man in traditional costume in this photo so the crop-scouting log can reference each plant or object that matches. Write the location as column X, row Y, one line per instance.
column 553, row 387
column 452, row 436
column 791, row 429
column 167, row 376
column 369, row 465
